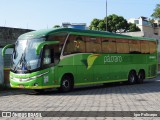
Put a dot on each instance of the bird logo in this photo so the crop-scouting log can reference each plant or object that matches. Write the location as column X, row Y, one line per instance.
column 91, row 59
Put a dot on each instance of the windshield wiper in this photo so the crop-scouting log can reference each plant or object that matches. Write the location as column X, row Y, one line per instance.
column 19, row 63
column 22, row 61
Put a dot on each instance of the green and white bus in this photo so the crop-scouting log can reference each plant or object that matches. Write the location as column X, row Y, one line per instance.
column 64, row 58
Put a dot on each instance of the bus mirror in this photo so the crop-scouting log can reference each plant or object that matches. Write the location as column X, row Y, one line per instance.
column 41, row 45
column 6, row 47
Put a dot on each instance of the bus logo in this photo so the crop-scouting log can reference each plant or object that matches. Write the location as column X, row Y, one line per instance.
column 108, row 59
column 152, row 57
column 91, row 59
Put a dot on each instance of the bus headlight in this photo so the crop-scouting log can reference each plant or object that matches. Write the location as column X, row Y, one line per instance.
column 27, row 79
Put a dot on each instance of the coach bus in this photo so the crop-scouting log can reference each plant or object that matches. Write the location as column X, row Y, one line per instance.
column 64, row 58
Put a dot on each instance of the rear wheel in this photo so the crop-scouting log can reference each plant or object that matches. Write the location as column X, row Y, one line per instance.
column 132, row 77
column 141, row 76
column 66, row 84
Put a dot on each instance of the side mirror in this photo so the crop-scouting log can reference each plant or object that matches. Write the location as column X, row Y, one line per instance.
column 41, row 45
column 6, row 47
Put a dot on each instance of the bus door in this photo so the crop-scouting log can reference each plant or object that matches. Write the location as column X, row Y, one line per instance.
column 50, row 57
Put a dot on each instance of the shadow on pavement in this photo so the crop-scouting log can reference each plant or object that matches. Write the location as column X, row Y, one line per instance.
column 149, row 86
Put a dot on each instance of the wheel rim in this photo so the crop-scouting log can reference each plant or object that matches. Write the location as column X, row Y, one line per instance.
column 132, row 78
column 141, row 77
column 65, row 84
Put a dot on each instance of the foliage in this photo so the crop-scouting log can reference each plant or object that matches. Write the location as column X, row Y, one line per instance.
column 94, row 24
column 115, row 24
column 156, row 13
column 151, row 21
column 132, row 27
column 56, row 26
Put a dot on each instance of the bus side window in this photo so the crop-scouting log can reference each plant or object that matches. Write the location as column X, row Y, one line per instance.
column 134, row 47
column 152, row 46
column 93, row 44
column 122, row 46
column 145, row 47
column 108, row 45
column 75, row 44
column 47, row 56
column 69, row 48
column 79, row 45
column 56, row 54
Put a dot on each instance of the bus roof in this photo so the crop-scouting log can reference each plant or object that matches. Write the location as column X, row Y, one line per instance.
column 46, row 32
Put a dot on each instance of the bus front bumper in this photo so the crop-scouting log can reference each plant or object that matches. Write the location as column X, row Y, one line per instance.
column 22, row 86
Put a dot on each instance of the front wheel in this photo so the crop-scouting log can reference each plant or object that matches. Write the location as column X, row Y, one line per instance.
column 40, row 91
column 132, row 77
column 66, row 84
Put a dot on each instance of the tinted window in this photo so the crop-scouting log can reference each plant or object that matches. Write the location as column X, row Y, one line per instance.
column 109, row 45
column 74, row 44
column 145, row 47
column 134, row 46
column 93, row 45
column 152, row 46
column 122, row 46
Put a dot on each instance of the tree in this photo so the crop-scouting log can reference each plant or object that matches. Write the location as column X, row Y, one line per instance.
column 56, row 26
column 114, row 24
column 94, row 24
column 151, row 21
column 156, row 13
column 133, row 28
column 102, row 25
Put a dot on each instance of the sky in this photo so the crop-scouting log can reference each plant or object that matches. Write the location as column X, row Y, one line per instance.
column 43, row 14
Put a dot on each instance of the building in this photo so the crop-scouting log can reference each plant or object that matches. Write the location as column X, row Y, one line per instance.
column 81, row 26
column 147, row 29
column 9, row 35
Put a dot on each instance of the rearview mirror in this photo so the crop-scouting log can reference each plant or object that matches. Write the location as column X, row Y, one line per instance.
column 41, row 45
column 6, row 47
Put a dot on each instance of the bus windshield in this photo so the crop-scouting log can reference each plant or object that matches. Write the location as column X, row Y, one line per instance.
column 24, row 57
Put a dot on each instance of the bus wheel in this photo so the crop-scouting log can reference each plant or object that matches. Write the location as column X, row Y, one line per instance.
column 39, row 90
column 132, row 77
column 141, row 76
column 66, row 84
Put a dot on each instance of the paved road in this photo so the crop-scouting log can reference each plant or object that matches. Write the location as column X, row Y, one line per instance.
column 113, row 97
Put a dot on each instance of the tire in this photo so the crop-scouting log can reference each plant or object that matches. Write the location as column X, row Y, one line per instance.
column 40, row 91
column 66, row 84
column 132, row 77
column 141, row 77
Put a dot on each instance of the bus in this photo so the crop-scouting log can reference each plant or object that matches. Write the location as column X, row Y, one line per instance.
column 64, row 58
